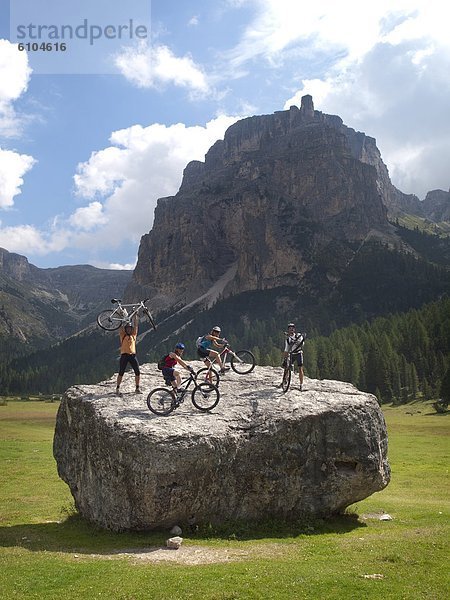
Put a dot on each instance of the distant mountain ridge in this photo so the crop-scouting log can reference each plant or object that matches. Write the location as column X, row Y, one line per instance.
column 431, row 215
column 41, row 306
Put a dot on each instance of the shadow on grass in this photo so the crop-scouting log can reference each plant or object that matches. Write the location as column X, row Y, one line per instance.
column 278, row 529
column 76, row 534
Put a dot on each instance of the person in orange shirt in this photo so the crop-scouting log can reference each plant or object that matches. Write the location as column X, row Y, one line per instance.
column 128, row 336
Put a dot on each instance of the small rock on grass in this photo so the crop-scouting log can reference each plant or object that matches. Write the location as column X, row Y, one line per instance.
column 174, row 542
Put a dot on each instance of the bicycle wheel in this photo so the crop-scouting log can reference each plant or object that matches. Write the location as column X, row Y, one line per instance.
column 161, row 401
column 202, row 376
column 150, row 318
column 243, row 363
column 286, row 379
column 205, row 396
column 109, row 320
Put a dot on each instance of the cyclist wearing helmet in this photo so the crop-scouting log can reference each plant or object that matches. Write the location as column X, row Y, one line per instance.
column 128, row 336
column 171, row 375
column 204, row 347
column 294, row 343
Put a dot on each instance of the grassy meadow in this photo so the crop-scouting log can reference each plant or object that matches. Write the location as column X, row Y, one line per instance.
column 47, row 551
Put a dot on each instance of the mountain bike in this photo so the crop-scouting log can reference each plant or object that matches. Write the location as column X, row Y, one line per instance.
column 241, row 361
column 122, row 315
column 162, row 401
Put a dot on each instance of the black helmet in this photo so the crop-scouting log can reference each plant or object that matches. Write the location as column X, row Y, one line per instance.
column 291, row 325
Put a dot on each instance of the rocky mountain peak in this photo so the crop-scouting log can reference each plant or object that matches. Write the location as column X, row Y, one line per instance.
column 14, row 265
column 279, row 196
column 436, row 205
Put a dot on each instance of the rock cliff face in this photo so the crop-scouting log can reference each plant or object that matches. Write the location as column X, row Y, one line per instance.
column 280, row 195
column 259, row 454
column 436, row 206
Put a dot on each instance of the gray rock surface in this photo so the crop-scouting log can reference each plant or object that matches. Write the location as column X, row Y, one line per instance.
column 260, row 453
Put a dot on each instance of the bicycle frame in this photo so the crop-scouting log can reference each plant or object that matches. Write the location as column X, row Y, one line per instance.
column 185, row 383
column 225, row 352
column 211, row 362
column 288, row 370
column 123, row 315
column 205, row 396
column 111, row 320
column 241, row 362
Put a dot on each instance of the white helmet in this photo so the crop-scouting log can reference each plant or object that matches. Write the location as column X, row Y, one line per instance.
column 216, row 328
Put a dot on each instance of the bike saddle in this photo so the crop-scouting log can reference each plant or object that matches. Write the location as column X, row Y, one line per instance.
column 115, row 300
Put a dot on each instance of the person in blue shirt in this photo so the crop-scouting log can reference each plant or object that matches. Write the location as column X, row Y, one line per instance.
column 205, row 346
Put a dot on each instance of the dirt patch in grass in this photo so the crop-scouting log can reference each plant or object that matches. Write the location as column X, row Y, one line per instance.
column 192, row 555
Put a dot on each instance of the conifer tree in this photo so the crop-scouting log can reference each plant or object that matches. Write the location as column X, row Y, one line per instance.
column 444, row 390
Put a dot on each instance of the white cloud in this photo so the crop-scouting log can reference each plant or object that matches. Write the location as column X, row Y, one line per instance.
column 120, row 267
column 13, row 167
column 194, row 21
column 14, row 76
column 341, row 32
column 126, row 179
column 349, row 28
column 158, row 66
column 394, row 86
column 142, row 165
column 88, row 217
column 27, row 239
column 101, row 173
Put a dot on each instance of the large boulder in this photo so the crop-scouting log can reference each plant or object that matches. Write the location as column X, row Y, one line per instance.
column 260, row 453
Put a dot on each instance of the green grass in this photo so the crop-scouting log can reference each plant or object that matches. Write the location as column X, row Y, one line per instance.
column 47, row 551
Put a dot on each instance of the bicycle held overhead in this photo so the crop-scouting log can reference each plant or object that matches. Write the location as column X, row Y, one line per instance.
column 123, row 314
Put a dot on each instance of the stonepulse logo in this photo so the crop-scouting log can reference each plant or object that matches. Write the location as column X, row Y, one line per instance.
column 84, row 31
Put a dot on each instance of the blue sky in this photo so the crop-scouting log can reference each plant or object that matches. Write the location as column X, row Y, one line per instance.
column 89, row 143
